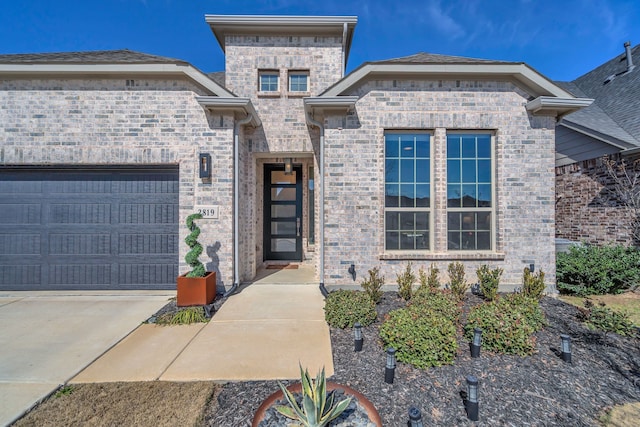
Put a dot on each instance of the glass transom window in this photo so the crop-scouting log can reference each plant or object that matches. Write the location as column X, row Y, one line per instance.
column 298, row 82
column 407, row 191
column 269, row 81
column 469, row 191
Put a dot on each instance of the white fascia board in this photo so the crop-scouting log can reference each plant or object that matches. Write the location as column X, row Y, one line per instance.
column 557, row 106
column 321, row 103
column 280, row 20
column 243, row 105
column 532, row 80
column 115, row 69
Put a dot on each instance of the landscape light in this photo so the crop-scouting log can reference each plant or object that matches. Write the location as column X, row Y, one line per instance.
column 566, row 348
column 477, row 341
column 390, row 368
column 415, row 417
column 472, row 398
column 357, row 336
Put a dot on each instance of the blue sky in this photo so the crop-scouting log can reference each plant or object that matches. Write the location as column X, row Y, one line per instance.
column 562, row 39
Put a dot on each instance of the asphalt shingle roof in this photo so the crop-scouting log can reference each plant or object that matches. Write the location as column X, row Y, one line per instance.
column 616, row 109
column 433, row 58
column 122, row 56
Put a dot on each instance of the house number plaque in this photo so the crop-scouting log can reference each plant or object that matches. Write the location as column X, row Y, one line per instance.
column 208, row 212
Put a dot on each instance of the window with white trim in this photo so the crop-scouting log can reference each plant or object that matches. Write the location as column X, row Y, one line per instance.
column 298, row 81
column 268, row 81
column 469, row 192
column 407, row 191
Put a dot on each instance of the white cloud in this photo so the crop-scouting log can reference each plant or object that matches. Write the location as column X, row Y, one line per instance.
column 442, row 20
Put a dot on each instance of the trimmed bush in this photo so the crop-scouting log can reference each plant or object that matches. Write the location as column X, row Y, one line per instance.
column 429, row 282
column 457, row 282
column 373, row 284
column 507, row 324
column 489, row 280
column 343, row 308
column 423, row 333
column 605, row 319
column 597, row 270
column 405, row 283
column 533, row 284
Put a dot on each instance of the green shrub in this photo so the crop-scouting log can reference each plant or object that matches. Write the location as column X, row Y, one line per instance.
column 428, row 282
column 343, row 308
column 373, row 284
column 423, row 333
column 597, row 270
column 489, row 280
column 184, row 316
column 507, row 324
column 192, row 257
column 405, row 283
column 605, row 319
column 457, row 282
column 533, row 284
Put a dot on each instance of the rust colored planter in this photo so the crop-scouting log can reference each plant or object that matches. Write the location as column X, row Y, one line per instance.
column 196, row 290
column 363, row 402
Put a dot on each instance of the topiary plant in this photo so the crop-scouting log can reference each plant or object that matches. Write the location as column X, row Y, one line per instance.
column 373, row 284
column 192, row 257
column 489, row 280
column 343, row 308
column 533, row 284
column 457, row 281
column 405, row 283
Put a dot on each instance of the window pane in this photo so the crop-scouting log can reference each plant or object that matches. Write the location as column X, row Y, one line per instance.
column 453, row 241
column 422, row 221
column 280, row 228
column 484, row 170
column 391, row 196
column 391, row 221
column 392, row 171
column 422, row 195
column 407, row 148
column 268, row 82
column 453, row 171
column 283, row 194
column 453, row 147
column 279, row 177
column 468, row 240
column 283, row 245
column 407, row 196
column 454, row 193
column 484, row 146
column 298, row 82
column 423, row 172
column 392, row 240
column 468, row 171
column 469, row 146
column 407, row 241
column 469, row 196
column 406, row 171
column 406, row 220
column 391, row 146
column 422, row 242
column 283, row 211
column 423, row 146
column 484, row 195
column 484, row 240
column 484, row 221
column 468, row 221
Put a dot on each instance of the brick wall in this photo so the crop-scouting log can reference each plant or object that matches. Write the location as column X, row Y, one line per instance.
column 124, row 122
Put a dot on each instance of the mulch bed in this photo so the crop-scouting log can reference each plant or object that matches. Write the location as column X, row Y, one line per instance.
column 540, row 390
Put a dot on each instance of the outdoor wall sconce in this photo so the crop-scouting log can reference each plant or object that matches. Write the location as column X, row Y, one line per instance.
column 415, row 417
column 390, row 368
column 205, row 165
column 352, row 271
column 566, row 348
column 472, row 398
column 477, row 341
column 532, row 267
column 357, row 336
column 288, row 166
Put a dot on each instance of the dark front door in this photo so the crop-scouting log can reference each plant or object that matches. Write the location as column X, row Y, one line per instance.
column 282, row 213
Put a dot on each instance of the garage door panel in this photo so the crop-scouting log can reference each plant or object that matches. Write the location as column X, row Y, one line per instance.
column 93, row 229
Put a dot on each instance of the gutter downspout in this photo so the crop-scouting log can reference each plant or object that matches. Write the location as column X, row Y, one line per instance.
column 236, row 212
column 344, row 49
column 320, row 126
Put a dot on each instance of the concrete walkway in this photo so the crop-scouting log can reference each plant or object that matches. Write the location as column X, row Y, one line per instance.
column 46, row 338
column 262, row 333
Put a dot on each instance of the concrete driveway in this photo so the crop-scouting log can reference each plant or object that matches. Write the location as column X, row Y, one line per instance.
column 46, row 338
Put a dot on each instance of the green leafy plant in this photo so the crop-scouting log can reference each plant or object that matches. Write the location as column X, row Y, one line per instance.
column 373, row 284
column 343, row 308
column 64, row 391
column 533, row 284
column 405, row 282
column 192, row 257
column 508, row 324
column 605, row 319
column 423, row 333
column 318, row 407
column 597, row 270
column 489, row 280
column 428, row 282
column 457, row 282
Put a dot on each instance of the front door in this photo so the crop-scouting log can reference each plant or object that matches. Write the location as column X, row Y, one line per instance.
column 282, row 213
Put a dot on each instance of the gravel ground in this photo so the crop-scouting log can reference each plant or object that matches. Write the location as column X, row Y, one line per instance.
column 540, row 390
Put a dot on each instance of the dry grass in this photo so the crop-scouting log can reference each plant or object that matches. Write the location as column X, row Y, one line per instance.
column 622, row 416
column 628, row 302
column 153, row 403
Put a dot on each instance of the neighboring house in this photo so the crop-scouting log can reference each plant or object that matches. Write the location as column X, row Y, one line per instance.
column 586, row 208
column 426, row 158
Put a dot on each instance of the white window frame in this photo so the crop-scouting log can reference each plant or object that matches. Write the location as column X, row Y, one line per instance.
column 430, row 209
column 269, row 73
column 491, row 210
column 298, row 73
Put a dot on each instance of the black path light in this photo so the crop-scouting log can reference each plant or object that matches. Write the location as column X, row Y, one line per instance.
column 566, row 348
column 357, row 336
column 415, row 417
column 390, row 368
column 472, row 398
column 476, row 343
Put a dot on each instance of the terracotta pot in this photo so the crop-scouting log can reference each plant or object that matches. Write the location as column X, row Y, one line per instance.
column 196, row 290
column 364, row 403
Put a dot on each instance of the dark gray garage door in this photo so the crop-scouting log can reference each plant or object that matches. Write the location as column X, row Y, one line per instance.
column 88, row 229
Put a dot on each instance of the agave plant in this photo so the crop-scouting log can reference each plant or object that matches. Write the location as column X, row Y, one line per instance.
column 318, row 408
